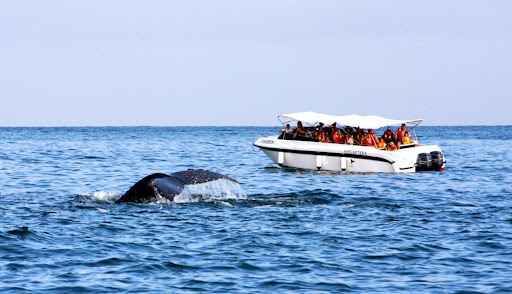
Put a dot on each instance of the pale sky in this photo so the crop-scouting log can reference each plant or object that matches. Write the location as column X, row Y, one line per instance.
column 229, row 63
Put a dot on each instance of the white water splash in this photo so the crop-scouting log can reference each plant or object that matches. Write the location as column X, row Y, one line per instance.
column 102, row 210
column 101, row 196
column 215, row 190
column 210, row 191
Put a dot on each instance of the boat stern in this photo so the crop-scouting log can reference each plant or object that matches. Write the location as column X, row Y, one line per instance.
column 419, row 158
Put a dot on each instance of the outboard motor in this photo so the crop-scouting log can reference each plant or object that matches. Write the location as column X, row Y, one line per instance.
column 424, row 162
column 437, row 160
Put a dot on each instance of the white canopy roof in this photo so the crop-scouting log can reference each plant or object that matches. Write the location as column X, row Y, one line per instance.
column 364, row 122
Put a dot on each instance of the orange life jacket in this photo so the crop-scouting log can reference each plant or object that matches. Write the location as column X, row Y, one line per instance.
column 399, row 134
column 333, row 132
column 393, row 147
column 366, row 141
column 337, row 138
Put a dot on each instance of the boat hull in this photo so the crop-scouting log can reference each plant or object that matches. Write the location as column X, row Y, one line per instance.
column 340, row 157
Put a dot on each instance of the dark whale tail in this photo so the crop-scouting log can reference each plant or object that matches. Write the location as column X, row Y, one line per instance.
column 168, row 186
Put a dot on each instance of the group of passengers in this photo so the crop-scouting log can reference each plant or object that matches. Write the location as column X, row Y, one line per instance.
column 389, row 140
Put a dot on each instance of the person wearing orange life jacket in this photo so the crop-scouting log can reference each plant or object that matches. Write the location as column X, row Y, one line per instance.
column 338, row 138
column 388, row 136
column 357, row 136
column 391, row 147
column 399, row 134
column 367, row 140
column 381, row 144
column 360, row 134
column 406, row 138
column 349, row 131
column 322, row 136
column 363, row 141
column 373, row 138
column 334, row 129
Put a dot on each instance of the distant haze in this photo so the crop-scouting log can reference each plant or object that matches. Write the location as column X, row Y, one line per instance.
column 176, row 63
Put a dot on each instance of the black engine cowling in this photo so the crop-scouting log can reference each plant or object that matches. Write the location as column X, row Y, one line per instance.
column 424, row 162
column 437, row 160
column 430, row 161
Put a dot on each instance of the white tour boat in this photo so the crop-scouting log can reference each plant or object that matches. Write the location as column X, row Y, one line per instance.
column 307, row 153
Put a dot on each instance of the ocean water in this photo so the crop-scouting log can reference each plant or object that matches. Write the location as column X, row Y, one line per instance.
column 278, row 231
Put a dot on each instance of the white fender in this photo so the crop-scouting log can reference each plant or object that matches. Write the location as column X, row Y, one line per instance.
column 280, row 158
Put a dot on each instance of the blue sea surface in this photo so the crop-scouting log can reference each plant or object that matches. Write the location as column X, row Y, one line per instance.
column 279, row 231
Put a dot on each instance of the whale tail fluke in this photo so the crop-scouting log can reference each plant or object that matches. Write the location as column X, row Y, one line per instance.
column 168, row 186
column 143, row 191
column 199, row 176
